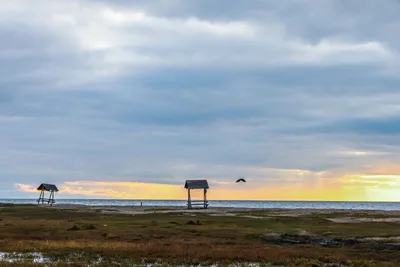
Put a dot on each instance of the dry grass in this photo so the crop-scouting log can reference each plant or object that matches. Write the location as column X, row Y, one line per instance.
column 167, row 236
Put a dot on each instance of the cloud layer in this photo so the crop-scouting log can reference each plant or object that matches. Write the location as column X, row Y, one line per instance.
column 162, row 91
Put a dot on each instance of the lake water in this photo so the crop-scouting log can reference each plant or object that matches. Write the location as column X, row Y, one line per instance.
column 228, row 203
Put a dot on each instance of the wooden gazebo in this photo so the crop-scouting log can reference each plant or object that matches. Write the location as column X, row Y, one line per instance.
column 197, row 184
column 47, row 188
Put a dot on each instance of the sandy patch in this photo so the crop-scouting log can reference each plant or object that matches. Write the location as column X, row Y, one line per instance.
column 219, row 211
column 253, row 217
column 222, row 214
column 361, row 220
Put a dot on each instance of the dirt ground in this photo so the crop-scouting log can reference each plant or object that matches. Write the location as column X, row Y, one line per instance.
column 370, row 215
column 131, row 234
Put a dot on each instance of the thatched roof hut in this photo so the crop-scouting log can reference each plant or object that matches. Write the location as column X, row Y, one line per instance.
column 197, row 184
column 48, row 188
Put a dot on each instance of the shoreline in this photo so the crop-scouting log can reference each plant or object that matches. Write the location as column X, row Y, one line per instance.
column 227, row 204
column 211, row 200
column 226, row 211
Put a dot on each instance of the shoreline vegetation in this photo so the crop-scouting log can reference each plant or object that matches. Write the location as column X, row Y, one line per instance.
column 79, row 235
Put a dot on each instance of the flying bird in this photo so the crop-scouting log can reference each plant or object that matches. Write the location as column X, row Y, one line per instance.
column 241, row 180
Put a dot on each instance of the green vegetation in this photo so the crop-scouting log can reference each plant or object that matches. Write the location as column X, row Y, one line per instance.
column 83, row 237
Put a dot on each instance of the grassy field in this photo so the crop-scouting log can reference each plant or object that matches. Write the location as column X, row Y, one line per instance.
column 72, row 238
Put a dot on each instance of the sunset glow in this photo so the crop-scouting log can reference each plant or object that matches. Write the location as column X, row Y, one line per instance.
column 351, row 188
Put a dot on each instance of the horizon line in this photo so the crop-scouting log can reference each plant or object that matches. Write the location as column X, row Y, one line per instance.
column 242, row 200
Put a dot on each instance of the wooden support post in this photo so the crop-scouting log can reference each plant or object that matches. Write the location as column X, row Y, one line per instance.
column 189, row 200
column 40, row 197
column 51, row 198
column 205, row 198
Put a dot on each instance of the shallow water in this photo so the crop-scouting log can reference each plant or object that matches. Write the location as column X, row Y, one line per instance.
column 20, row 257
column 35, row 257
column 387, row 206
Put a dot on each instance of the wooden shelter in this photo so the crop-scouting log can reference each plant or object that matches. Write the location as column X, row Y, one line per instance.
column 197, row 184
column 47, row 188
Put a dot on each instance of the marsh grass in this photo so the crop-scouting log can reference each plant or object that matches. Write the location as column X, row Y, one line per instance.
column 169, row 237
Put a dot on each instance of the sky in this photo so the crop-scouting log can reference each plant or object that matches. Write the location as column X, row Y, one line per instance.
column 128, row 99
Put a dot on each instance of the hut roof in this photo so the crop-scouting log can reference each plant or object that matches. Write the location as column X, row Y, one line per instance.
column 48, row 187
column 196, row 184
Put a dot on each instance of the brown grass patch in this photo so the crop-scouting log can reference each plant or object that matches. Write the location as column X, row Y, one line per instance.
column 169, row 237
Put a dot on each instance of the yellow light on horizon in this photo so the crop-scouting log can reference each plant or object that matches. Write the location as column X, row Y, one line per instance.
column 304, row 185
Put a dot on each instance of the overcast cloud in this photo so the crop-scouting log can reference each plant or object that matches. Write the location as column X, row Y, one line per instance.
column 161, row 91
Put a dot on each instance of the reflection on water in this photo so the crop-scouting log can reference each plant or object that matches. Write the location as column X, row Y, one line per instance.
column 228, row 203
column 35, row 257
column 19, row 257
column 13, row 257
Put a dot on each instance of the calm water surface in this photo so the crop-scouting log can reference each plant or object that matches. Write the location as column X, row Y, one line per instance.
column 228, row 203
